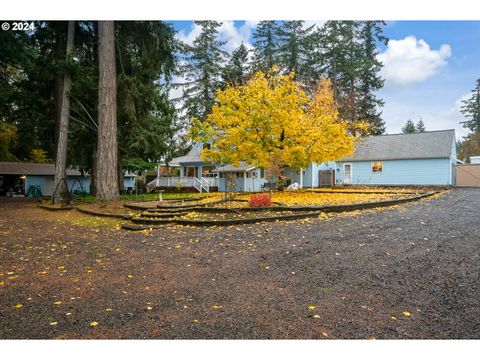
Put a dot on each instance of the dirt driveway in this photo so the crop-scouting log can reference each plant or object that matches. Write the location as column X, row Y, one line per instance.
column 410, row 271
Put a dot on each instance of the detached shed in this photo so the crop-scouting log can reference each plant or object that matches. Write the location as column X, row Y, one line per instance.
column 17, row 177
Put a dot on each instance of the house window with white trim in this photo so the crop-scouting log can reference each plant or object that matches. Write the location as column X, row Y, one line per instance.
column 377, row 167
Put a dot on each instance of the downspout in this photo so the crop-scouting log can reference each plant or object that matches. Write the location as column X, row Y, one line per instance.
column 312, row 176
column 245, row 181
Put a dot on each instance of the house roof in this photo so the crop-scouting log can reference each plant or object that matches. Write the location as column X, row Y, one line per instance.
column 242, row 166
column 192, row 156
column 23, row 168
column 426, row 145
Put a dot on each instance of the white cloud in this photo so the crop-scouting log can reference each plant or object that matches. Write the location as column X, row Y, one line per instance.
column 318, row 24
column 228, row 32
column 410, row 60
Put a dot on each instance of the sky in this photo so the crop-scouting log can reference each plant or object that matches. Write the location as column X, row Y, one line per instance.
column 429, row 67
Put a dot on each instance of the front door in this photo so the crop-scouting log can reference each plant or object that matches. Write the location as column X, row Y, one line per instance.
column 347, row 171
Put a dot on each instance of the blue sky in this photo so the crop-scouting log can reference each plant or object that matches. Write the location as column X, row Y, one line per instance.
column 429, row 67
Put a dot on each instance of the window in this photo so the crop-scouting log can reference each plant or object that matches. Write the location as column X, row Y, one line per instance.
column 377, row 166
column 206, row 146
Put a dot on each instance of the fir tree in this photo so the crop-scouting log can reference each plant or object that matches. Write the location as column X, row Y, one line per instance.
column 293, row 49
column 409, row 127
column 265, row 42
column 237, row 70
column 370, row 80
column 420, row 127
column 471, row 109
column 203, row 71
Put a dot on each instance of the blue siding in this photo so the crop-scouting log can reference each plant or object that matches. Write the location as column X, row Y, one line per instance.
column 252, row 184
column 294, row 175
column 399, row 172
column 129, row 182
column 35, row 180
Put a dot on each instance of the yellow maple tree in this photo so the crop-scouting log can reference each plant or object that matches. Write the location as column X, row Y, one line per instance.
column 271, row 120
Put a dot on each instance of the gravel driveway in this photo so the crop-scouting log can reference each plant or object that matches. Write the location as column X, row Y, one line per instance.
column 410, row 271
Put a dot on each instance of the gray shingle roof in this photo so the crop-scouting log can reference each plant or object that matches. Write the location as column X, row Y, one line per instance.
column 242, row 166
column 20, row 168
column 192, row 156
column 426, row 145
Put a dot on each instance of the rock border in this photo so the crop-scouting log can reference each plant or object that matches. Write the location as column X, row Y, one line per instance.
column 52, row 208
column 313, row 211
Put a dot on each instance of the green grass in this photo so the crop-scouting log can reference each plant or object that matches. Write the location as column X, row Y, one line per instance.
column 152, row 196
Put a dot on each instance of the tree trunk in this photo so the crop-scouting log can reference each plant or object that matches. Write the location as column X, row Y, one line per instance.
column 60, row 180
column 59, row 55
column 107, row 153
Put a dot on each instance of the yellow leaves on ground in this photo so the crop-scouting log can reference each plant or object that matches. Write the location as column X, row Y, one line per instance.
column 130, row 276
column 196, row 321
column 406, row 313
column 2, row 283
column 311, row 307
column 60, row 267
column 94, row 323
column 19, row 306
column 108, row 309
column 317, row 199
column 216, row 306
column 57, row 303
column 53, row 323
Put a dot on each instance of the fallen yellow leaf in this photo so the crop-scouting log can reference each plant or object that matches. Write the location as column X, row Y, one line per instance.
column 60, row 267
column 68, row 314
column 393, row 317
column 53, row 323
column 311, row 307
column 130, row 276
column 108, row 309
column 406, row 313
column 93, row 323
column 196, row 321
column 19, row 306
column 216, row 306
column 57, row 302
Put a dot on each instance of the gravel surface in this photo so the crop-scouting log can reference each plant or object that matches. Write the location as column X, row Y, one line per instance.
column 409, row 271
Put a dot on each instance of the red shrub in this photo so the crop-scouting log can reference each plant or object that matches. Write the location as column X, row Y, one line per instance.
column 259, row 200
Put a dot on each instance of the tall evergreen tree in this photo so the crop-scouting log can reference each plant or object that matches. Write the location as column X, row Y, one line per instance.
column 293, row 49
column 370, row 81
column 409, row 127
column 60, row 178
column 106, row 169
column 202, row 69
column 266, row 45
column 236, row 71
column 471, row 109
column 420, row 127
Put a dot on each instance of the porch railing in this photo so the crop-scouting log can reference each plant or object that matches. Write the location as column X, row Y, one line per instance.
column 186, row 181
